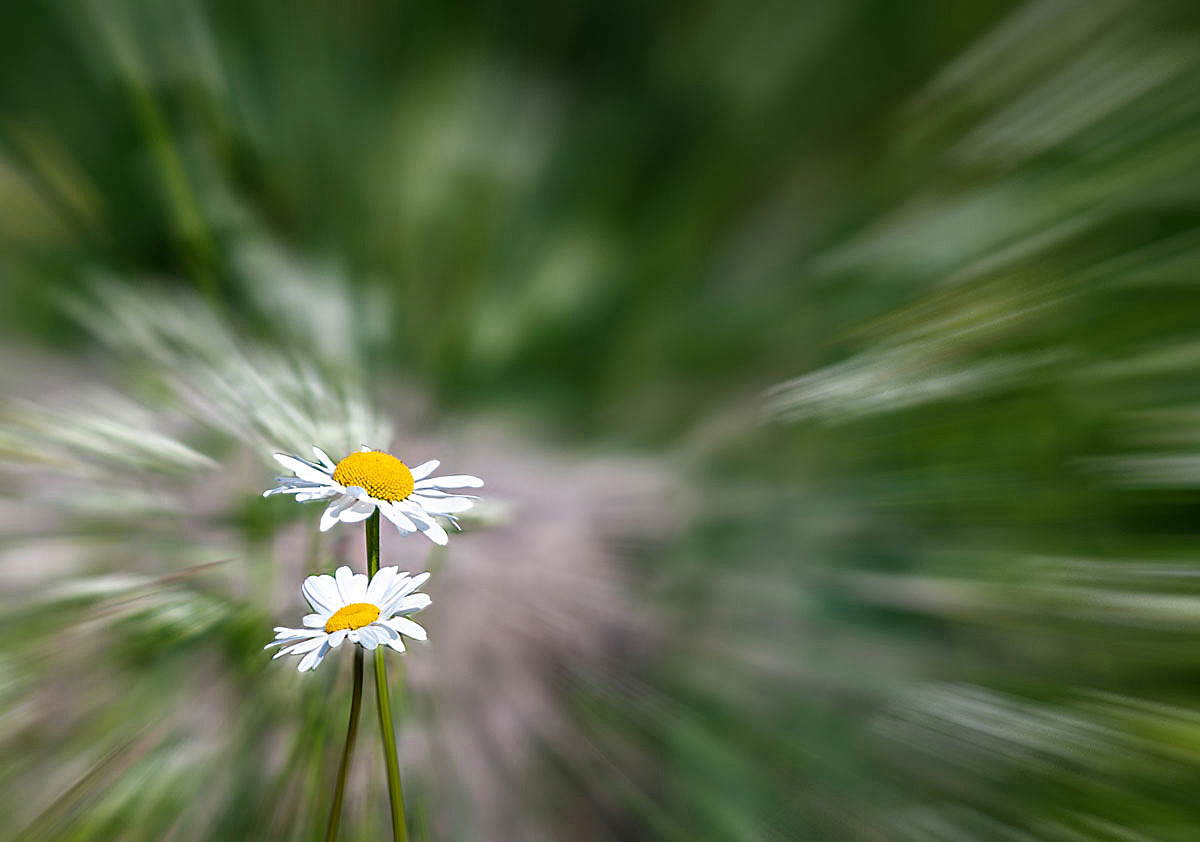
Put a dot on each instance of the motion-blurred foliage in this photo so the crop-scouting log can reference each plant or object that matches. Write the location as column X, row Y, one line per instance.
column 897, row 301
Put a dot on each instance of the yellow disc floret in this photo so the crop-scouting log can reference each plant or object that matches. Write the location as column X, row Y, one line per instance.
column 353, row 616
column 382, row 475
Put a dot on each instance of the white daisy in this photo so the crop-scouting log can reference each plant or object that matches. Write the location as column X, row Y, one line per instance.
column 370, row 480
column 346, row 607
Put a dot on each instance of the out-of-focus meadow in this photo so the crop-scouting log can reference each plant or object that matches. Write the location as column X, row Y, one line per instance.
column 833, row 367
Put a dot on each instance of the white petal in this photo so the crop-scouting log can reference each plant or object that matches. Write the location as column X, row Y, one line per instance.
column 406, row 626
column 315, row 621
column 322, row 594
column 360, row 586
column 303, row 646
column 452, row 481
column 384, row 633
column 425, row 523
column 364, row 449
column 450, row 505
column 313, row 659
column 333, row 512
column 361, row 510
column 411, row 604
column 317, row 494
column 397, row 643
column 403, row 587
column 304, row 470
column 434, row 532
column 287, row 637
column 403, row 525
column 367, row 637
column 352, row 586
column 335, row 639
column 400, row 590
column 377, row 591
column 289, row 488
column 320, row 454
column 283, row 652
column 296, row 482
column 316, row 634
column 425, row 469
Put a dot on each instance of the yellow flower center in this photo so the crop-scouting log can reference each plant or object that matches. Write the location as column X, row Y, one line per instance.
column 382, row 475
column 353, row 616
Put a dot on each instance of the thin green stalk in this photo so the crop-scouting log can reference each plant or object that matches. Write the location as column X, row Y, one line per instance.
column 335, row 812
column 395, row 794
column 373, row 544
column 387, row 732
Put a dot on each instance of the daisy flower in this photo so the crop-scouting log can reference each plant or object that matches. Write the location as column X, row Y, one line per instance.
column 346, row 607
column 370, row 480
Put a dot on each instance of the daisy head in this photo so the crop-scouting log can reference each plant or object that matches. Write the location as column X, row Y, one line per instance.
column 346, row 607
column 371, row 479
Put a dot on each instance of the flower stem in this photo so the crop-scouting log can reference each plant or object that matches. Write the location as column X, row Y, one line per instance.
column 335, row 812
column 386, row 731
column 373, row 544
column 395, row 794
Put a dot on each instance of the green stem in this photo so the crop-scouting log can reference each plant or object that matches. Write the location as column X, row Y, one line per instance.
column 395, row 794
column 372, row 545
column 387, row 732
column 335, row 812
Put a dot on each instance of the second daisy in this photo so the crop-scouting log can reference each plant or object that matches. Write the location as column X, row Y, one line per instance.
column 347, row 607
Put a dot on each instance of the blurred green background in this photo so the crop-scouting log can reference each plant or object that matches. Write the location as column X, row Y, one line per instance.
column 832, row 367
